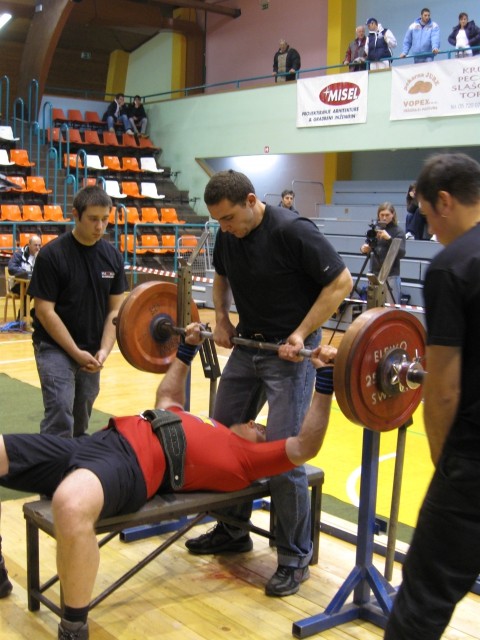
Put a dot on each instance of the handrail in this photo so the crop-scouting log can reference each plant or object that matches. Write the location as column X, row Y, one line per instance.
column 49, row 124
column 19, row 117
column 33, row 83
column 34, row 129
column 70, row 179
column 7, row 97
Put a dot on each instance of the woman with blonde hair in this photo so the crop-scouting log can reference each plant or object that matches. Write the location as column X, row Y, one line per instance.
column 378, row 244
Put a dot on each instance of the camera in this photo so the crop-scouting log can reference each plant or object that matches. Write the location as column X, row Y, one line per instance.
column 371, row 235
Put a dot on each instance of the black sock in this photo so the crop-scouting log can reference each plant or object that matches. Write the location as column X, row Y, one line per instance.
column 75, row 615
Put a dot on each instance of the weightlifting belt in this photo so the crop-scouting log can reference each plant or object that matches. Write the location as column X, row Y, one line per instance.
column 169, row 430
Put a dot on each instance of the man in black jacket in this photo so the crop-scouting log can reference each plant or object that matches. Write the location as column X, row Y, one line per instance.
column 286, row 62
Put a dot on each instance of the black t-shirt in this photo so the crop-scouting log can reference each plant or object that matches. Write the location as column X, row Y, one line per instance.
column 452, row 299
column 277, row 271
column 79, row 279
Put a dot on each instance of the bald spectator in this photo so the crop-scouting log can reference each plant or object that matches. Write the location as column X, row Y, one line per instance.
column 22, row 261
column 286, row 62
column 355, row 54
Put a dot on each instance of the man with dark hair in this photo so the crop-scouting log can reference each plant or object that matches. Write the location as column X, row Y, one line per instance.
column 287, row 200
column 78, row 285
column 422, row 38
column 117, row 112
column 286, row 62
column 444, row 556
column 286, row 280
column 138, row 117
column 117, row 469
column 379, row 45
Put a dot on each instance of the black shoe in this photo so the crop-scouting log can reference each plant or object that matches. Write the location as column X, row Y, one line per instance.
column 5, row 584
column 286, row 581
column 72, row 630
column 218, row 540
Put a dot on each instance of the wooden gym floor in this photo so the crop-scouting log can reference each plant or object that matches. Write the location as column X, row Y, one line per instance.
column 180, row 596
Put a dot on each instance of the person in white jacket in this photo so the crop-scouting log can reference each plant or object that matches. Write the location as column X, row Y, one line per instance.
column 379, row 45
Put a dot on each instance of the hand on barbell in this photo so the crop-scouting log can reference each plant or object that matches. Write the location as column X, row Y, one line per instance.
column 193, row 333
column 323, row 356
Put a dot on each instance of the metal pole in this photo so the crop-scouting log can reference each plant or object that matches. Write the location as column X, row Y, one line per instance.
column 394, row 508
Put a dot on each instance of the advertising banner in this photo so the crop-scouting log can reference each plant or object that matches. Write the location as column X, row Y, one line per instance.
column 433, row 89
column 331, row 100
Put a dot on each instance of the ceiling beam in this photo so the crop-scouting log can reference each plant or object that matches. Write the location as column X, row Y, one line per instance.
column 202, row 6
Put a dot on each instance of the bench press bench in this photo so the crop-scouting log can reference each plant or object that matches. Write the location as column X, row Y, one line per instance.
column 189, row 508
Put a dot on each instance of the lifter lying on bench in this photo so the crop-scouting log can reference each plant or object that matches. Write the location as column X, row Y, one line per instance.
column 116, row 470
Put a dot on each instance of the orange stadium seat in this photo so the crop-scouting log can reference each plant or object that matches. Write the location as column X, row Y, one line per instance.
column 110, row 139
column 150, row 214
column 168, row 244
column 130, row 244
column 37, row 184
column 112, row 163
column 32, row 212
column 20, row 182
column 92, row 118
column 169, row 216
column 76, row 118
column 130, row 164
column 73, row 135
column 149, row 242
column 7, row 243
column 71, row 160
column 48, row 237
column 10, row 212
column 58, row 117
column 92, row 139
column 53, row 213
column 132, row 215
column 131, row 190
column 20, row 158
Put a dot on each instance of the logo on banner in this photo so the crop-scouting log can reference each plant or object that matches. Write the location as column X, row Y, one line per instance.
column 418, row 92
column 340, row 93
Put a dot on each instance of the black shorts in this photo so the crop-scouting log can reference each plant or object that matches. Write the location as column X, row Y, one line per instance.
column 38, row 463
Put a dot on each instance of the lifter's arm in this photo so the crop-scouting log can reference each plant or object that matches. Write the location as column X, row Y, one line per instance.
column 307, row 444
column 171, row 391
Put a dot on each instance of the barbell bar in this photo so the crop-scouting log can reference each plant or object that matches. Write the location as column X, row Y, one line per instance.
column 163, row 329
column 378, row 368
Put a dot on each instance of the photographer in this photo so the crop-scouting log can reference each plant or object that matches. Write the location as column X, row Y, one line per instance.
column 377, row 244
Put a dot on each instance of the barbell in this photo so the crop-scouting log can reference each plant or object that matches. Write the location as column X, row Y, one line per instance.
column 377, row 374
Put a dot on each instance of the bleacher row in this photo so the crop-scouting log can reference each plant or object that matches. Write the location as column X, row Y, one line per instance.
column 94, row 140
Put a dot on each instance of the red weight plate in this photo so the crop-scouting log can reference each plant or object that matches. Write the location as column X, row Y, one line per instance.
column 372, row 334
column 135, row 321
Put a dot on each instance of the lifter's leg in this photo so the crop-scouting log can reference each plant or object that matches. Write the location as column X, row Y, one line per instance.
column 76, row 506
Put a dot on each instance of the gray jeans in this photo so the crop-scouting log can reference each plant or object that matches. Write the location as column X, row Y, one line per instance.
column 251, row 378
column 68, row 392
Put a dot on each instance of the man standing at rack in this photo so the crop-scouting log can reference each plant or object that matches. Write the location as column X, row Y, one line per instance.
column 443, row 560
column 286, row 280
column 78, row 284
